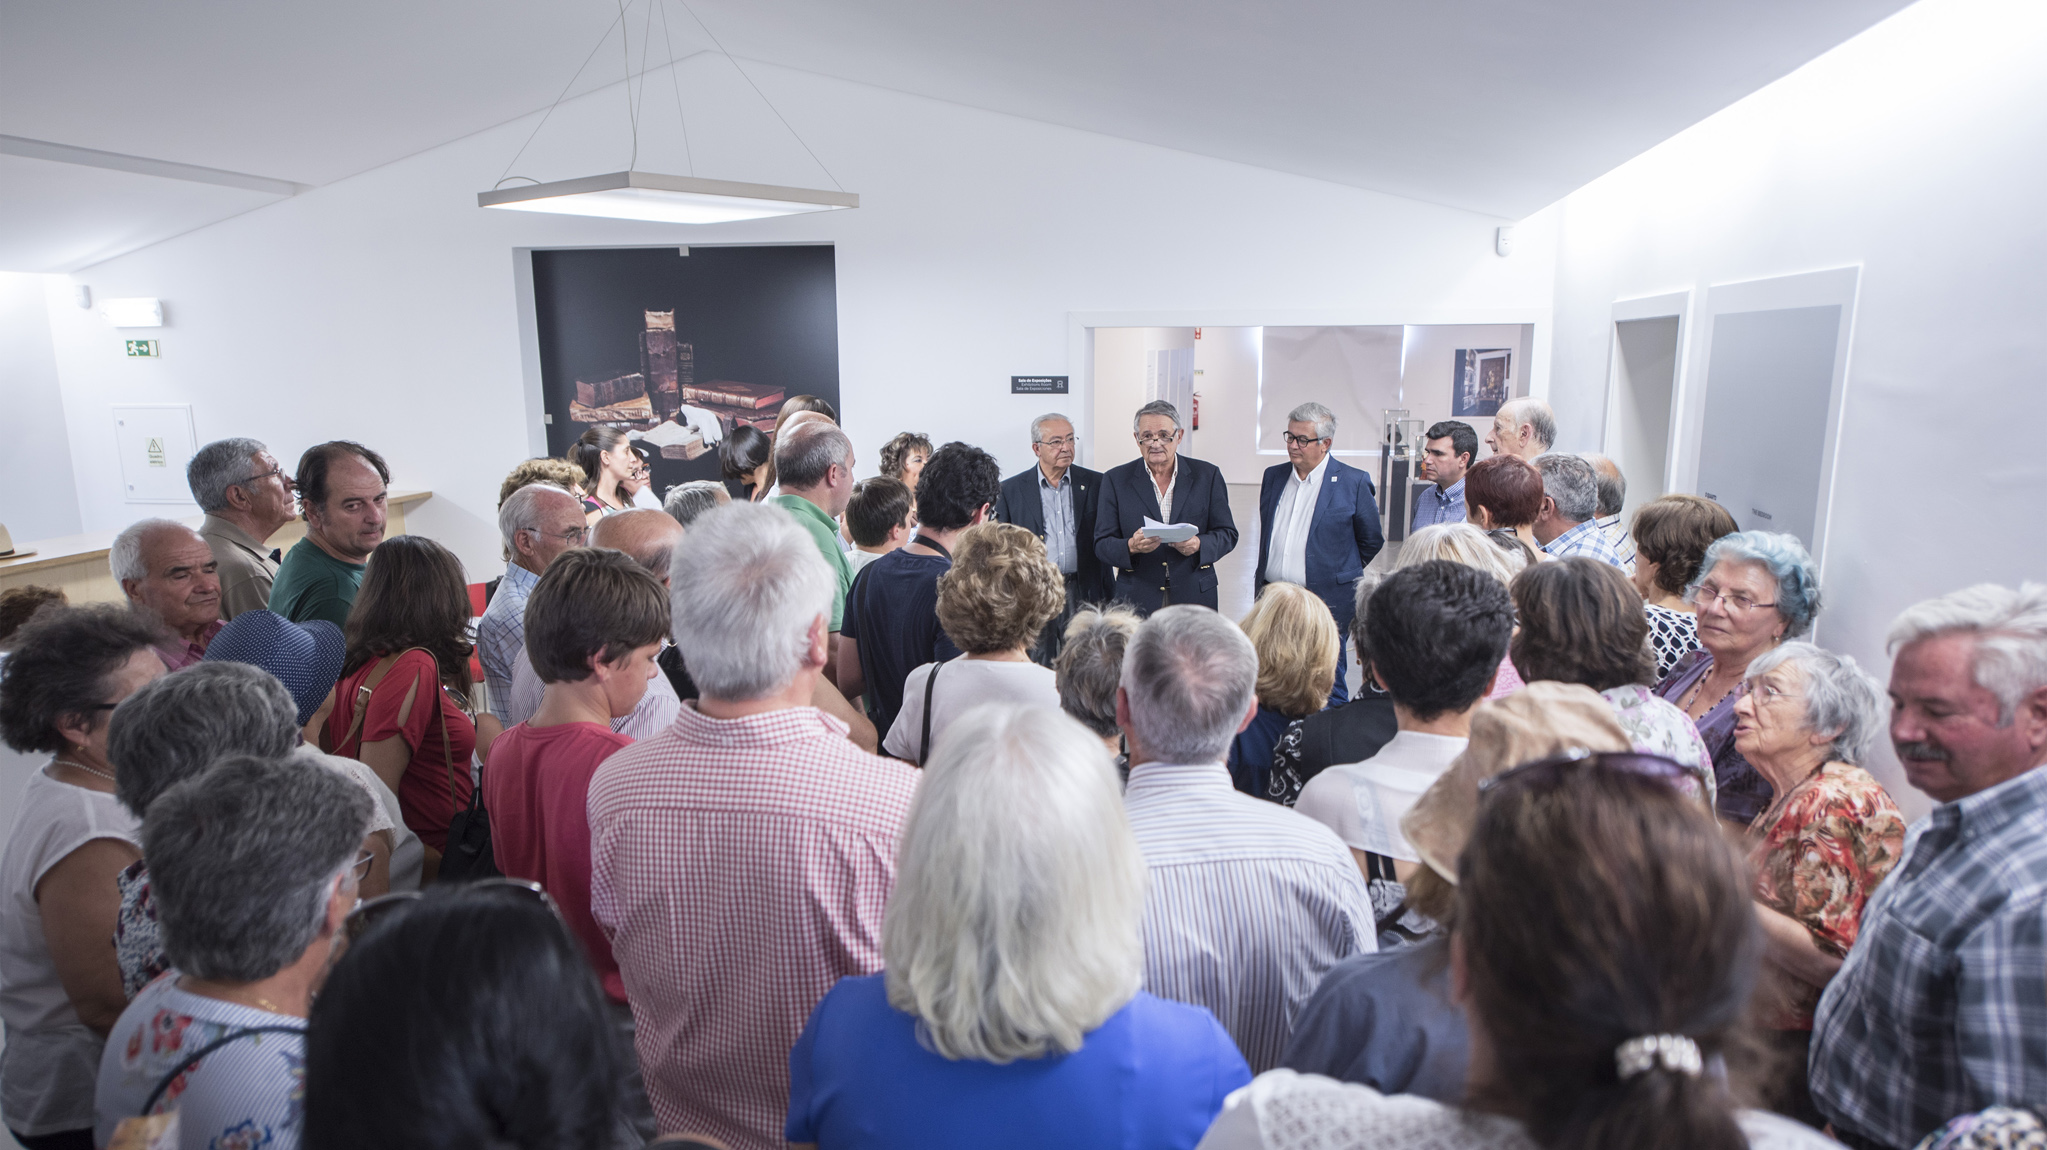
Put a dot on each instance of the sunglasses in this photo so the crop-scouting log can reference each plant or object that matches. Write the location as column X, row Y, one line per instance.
column 1553, row 769
column 368, row 914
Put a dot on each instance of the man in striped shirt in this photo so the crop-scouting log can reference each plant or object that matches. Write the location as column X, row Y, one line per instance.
column 741, row 858
column 1249, row 902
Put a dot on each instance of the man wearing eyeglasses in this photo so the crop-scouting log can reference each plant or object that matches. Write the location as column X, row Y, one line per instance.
column 1318, row 523
column 247, row 498
column 1169, row 488
column 537, row 522
column 1058, row 499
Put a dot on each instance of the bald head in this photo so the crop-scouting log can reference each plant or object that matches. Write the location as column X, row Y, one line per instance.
column 1613, row 486
column 649, row 536
column 168, row 572
column 1524, row 427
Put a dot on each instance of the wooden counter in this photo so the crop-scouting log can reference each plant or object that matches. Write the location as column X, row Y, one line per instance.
column 78, row 563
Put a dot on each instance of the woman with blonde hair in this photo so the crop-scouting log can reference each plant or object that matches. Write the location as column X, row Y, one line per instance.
column 1009, row 1011
column 1294, row 634
column 999, row 593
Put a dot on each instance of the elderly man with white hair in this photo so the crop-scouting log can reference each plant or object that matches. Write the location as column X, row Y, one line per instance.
column 1249, row 902
column 1318, row 523
column 247, row 498
column 742, row 857
column 171, row 579
column 537, row 522
column 1525, row 428
column 1941, row 1007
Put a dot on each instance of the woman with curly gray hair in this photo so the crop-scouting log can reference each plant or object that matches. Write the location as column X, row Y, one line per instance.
column 999, row 593
column 1754, row 590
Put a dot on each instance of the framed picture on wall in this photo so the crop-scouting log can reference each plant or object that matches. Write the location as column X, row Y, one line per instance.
column 677, row 350
column 1483, row 379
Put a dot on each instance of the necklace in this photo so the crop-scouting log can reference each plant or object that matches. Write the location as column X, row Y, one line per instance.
column 88, row 770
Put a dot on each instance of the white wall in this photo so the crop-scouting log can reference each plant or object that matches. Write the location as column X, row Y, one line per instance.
column 383, row 307
column 1917, row 150
column 37, row 498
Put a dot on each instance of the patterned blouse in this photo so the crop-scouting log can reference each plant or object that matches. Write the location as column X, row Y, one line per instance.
column 1673, row 635
column 1818, row 854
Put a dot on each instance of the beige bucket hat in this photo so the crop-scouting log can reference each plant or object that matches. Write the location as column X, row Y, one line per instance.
column 1535, row 722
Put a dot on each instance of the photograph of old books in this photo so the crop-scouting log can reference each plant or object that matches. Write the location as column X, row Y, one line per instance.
column 678, row 349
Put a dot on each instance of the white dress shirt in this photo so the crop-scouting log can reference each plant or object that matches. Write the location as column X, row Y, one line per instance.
column 1165, row 493
column 1291, row 520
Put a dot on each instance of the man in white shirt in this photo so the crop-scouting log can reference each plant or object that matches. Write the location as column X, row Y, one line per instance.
column 1318, row 523
column 1435, row 634
column 1249, row 903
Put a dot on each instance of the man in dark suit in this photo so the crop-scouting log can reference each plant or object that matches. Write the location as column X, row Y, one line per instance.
column 1170, row 488
column 1057, row 500
column 1318, row 523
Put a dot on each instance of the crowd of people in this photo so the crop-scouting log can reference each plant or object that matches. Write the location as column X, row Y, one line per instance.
column 935, row 808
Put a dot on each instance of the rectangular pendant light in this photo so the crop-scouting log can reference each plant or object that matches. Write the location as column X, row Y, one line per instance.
column 665, row 199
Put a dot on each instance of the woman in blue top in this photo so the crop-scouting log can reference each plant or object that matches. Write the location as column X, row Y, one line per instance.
column 1009, row 1014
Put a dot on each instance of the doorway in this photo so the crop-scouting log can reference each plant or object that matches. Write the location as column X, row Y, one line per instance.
column 1645, row 381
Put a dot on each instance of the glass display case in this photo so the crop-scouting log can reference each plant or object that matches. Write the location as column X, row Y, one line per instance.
column 1400, row 462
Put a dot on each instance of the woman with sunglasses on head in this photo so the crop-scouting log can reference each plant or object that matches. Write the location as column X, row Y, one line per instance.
column 58, row 898
column 1604, row 953
column 1755, row 590
column 1804, row 719
column 463, row 1019
column 254, row 865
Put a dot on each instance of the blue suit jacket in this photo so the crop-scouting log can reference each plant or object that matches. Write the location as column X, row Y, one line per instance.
column 1199, row 497
column 1342, row 537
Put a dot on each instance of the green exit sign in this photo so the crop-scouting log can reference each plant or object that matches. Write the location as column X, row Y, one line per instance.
column 143, row 347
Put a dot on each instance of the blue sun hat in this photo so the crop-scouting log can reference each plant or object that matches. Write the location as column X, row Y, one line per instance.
column 305, row 657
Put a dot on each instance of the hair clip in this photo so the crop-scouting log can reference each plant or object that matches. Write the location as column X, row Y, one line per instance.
column 1675, row 1051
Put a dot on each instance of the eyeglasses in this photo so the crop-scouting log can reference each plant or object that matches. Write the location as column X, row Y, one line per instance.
column 1705, row 595
column 361, row 869
column 1549, row 771
column 1150, row 437
column 1293, row 440
column 573, row 536
column 368, row 914
column 1763, row 693
column 1056, row 441
column 278, row 471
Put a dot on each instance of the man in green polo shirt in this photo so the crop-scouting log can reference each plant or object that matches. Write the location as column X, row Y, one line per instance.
column 814, row 466
column 342, row 490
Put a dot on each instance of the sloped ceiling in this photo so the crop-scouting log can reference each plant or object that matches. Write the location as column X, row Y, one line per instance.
column 1499, row 106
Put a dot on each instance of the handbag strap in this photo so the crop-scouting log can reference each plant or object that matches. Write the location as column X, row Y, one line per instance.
column 368, row 687
column 192, row 1060
column 930, row 690
column 934, row 544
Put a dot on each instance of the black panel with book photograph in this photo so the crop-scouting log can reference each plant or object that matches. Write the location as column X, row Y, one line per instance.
column 677, row 350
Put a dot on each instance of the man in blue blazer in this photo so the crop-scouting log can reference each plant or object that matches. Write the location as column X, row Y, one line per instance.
column 1171, row 488
column 1056, row 500
column 1318, row 523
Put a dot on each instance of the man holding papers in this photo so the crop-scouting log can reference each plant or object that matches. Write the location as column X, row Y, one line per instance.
column 1318, row 523
column 1174, row 563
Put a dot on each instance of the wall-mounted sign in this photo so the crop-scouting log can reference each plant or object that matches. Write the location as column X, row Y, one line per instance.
column 154, row 442
column 1037, row 385
column 143, row 348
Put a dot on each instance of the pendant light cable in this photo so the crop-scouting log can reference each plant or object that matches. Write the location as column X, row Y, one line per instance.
column 557, row 103
column 763, row 95
column 675, row 81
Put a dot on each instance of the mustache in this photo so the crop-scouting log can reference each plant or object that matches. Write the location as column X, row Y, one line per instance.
column 1922, row 752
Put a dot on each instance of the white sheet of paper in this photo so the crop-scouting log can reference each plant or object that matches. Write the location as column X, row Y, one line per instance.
column 1169, row 532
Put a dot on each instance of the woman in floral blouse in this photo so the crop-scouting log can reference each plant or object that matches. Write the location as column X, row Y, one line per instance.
column 1804, row 718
